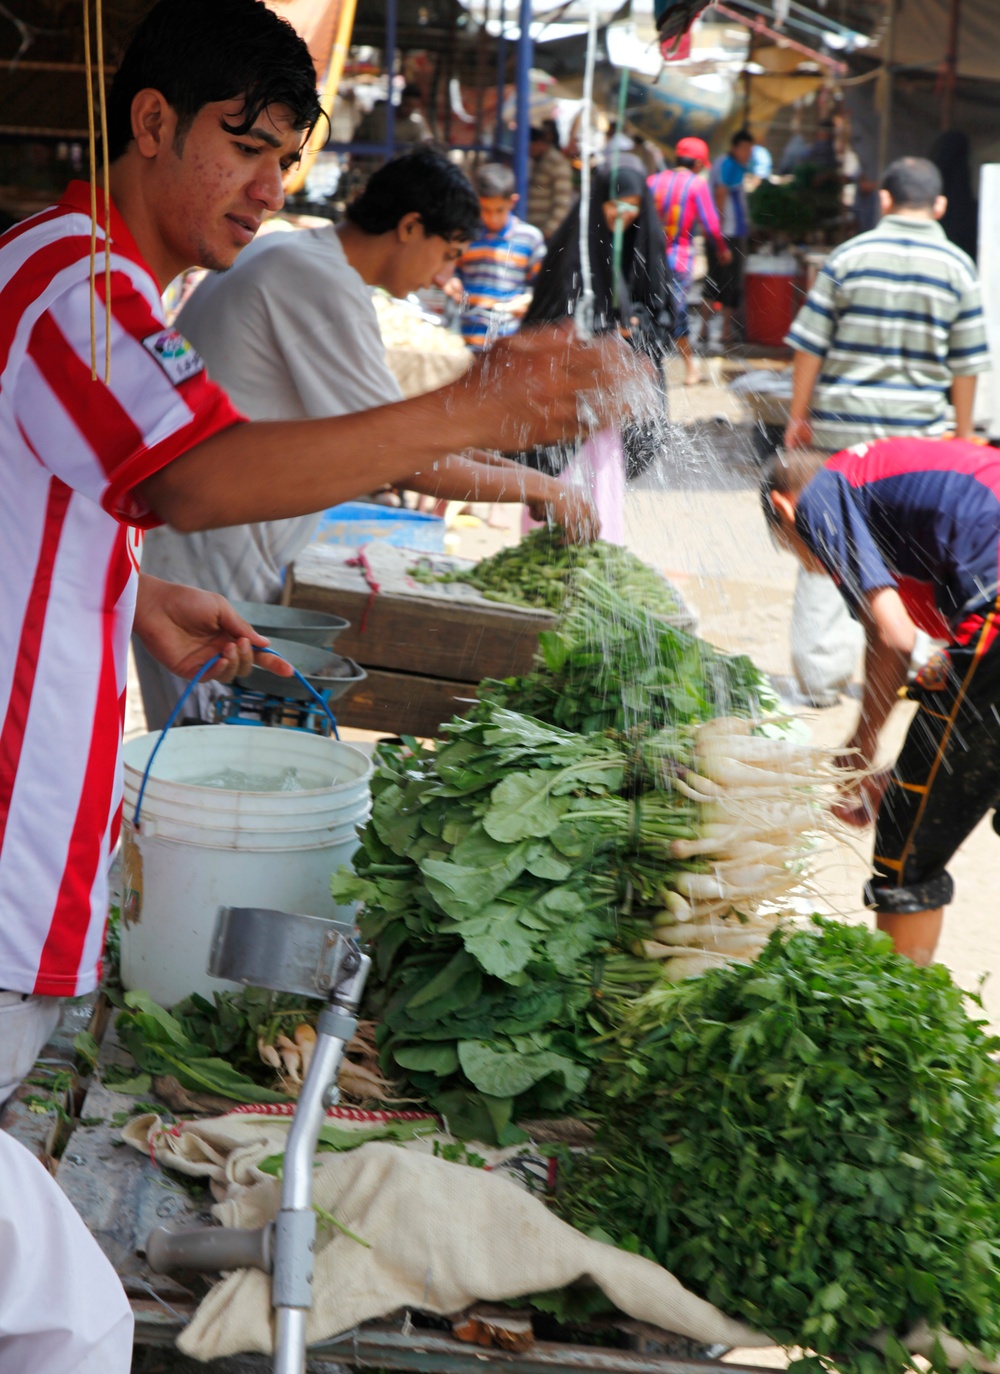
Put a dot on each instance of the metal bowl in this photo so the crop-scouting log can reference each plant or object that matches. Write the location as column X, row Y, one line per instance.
column 288, row 622
column 326, row 672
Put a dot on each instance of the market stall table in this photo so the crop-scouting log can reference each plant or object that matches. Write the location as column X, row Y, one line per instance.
column 122, row 1195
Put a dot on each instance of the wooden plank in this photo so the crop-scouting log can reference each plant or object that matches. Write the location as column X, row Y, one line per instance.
column 403, row 703
column 434, row 636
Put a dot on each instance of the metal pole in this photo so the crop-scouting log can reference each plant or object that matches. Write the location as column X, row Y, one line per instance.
column 585, row 305
column 951, row 65
column 390, row 69
column 498, row 140
column 886, row 90
column 522, row 133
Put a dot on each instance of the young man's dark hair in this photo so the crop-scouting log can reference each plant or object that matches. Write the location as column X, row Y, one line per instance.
column 495, row 180
column 423, row 181
column 741, row 136
column 912, row 183
column 196, row 52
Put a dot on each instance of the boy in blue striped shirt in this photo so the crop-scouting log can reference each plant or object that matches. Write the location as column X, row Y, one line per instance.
column 498, row 268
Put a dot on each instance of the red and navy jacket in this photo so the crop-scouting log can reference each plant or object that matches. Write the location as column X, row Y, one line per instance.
column 919, row 515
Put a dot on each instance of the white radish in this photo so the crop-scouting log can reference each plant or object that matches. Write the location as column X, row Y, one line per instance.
column 724, row 726
column 703, row 887
column 691, row 966
column 780, row 756
column 676, row 905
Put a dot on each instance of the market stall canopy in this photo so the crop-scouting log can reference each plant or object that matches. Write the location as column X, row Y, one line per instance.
column 920, row 37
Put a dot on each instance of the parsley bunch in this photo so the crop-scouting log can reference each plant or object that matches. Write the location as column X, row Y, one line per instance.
column 812, row 1143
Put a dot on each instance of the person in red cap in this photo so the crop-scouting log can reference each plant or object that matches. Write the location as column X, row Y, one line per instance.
column 683, row 199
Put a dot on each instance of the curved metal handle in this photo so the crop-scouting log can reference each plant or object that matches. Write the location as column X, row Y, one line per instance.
column 209, row 1248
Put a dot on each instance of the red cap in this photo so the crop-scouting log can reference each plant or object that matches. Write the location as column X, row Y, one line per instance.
column 694, row 148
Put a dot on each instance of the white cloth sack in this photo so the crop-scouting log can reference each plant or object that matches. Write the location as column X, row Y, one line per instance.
column 441, row 1236
column 62, row 1307
column 25, row 1025
column 826, row 641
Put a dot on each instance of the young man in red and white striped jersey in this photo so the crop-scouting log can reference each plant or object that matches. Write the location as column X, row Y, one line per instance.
column 210, row 105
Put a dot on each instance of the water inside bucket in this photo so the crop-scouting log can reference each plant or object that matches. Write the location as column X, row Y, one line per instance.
column 289, row 779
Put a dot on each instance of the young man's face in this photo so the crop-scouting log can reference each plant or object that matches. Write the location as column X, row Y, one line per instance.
column 496, row 211
column 420, row 259
column 742, row 152
column 213, row 189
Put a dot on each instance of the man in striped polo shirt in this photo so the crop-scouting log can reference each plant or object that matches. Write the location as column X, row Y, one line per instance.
column 893, row 323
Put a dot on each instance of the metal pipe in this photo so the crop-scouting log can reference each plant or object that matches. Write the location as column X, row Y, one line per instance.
column 498, row 141
column 290, row 1341
column 522, row 133
column 390, row 67
column 759, row 27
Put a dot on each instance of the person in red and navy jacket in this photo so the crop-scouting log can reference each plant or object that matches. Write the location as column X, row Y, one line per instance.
column 909, row 530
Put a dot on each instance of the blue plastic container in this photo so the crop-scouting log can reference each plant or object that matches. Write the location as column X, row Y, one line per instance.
column 356, row 522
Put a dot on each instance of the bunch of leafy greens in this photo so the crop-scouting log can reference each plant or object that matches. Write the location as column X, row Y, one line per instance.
column 208, row 1046
column 811, row 1143
column 542, row 568
column 612, row 663
column 503, row 877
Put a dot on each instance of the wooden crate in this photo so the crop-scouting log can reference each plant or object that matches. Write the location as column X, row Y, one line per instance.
column 424, row 655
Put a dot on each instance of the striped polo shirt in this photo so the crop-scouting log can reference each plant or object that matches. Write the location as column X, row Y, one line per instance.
column 495, row 269
column 895, row 314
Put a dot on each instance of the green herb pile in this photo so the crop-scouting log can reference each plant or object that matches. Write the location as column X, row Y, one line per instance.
column 541, row 570
column 211, row 1046
column 504, row 877
column 612, row 664
column 812, row 1143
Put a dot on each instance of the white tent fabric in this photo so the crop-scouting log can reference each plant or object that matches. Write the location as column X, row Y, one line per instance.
column 920, row 36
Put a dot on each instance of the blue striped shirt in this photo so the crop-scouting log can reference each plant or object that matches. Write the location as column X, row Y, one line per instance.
column 495, row 269
column 895, row 314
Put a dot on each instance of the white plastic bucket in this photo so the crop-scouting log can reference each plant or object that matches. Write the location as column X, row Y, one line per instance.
column 200, row 847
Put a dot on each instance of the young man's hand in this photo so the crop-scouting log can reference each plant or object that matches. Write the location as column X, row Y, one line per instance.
column 183, row 627
column 545, row 385
column 569, row 508
column 860, row 800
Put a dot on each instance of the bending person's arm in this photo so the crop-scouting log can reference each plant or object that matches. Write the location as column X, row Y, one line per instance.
column 889, row 640
column 523, row 391
column 489, row 477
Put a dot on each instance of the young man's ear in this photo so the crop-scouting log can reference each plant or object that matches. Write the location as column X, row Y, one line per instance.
column 785, row 506
column 154, row 122
column 940, row 206
column 514, row 199
column 407, row 225
column 885, row 202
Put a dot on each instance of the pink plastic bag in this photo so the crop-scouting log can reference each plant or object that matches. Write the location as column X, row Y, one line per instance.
column 599, row 466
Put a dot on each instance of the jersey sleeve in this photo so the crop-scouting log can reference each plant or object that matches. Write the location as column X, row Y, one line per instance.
column 833, row 526
column 105, row 439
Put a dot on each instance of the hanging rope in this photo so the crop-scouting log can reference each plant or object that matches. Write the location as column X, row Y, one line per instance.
column 92, row 150
column 585, row 305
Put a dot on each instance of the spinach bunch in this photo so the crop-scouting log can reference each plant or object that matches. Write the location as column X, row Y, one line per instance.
column 612, row 663
column 494, row 874
column 541, row 569
column 811, row 1142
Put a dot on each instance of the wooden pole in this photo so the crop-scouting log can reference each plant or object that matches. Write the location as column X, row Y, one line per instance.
column 886, row 90
column 951, row 66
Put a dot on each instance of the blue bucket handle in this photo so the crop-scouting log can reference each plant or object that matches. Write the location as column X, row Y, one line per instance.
column 187, row 692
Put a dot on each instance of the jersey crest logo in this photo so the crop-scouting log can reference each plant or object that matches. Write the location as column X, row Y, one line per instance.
column 175, row 355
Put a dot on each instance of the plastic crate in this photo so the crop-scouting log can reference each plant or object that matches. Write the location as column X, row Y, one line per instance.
column 356, row 522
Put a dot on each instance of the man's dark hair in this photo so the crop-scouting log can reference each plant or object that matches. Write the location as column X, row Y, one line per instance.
column 423, row 181
column 788, row 472
column 688, row 162
column 196, row 52
column 411, row 92
column 741, row 136
column 536, row 134
column 913, row 183
column 494, row 179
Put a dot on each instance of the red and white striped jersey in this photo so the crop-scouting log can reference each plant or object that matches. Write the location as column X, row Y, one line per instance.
column 72, row 452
